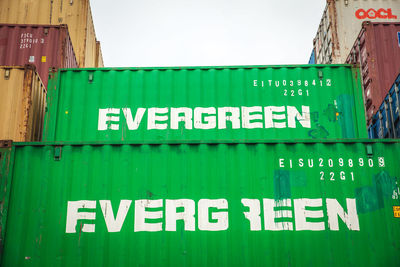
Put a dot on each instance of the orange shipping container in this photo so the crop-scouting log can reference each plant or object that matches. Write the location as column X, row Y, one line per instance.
column 75, row 13
column 22, row 105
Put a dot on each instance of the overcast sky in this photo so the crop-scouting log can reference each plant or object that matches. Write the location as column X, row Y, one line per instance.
column 206, row 32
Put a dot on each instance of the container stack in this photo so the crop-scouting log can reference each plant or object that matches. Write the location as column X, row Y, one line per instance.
column 367, row 34
column 200, row 166
column 74, row 13
column 46, row 35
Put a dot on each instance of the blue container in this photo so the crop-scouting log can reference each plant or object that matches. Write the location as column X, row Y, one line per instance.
column 386, row 122
column 312, row 57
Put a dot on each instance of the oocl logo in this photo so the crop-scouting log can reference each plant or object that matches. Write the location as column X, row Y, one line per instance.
column 375, row 14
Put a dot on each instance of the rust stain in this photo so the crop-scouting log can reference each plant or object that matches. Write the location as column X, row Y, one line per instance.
column 332, row 13
column 27, row 102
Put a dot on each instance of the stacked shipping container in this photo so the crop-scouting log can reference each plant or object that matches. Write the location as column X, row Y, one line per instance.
column 206, row 103
column 76, row 14
column 47, row 47
column 377, row 51
column 201, row 204
column 376, row 48
column 150, row 166
column 341, row 22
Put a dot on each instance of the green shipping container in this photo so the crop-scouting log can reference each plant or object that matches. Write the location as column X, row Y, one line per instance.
column 201, row 204
column 205, row 103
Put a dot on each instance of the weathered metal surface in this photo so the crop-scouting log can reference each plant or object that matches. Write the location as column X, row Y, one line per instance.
column 341, row 23
column 379, row 47
column 75, row 13
column 205, row 103
column 45, row 46
column 236, row 204
column 22, row 103
column 386, row 122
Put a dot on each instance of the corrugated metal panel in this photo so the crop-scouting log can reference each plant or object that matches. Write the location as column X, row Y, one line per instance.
column 341, row 23
column 245, row 102
column 76, row 14
column 340, row 212
column 380, row 61
column 22, row 105
column 45, row 46
column 386, row 122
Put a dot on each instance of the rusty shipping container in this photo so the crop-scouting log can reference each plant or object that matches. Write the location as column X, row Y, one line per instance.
column 22, row 103
column 205, row 103
column 377, row 51
column 201, row 204
column 75, row 13
column 45, row 46
column 341, row 23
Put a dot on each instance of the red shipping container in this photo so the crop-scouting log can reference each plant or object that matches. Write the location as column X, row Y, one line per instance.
column 45, row 46
column 379, row 47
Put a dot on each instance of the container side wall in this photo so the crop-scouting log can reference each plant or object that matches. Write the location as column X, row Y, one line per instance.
column 13, row 104
column 210, row 103
column 25, row 11
column 23, row 104
column 75, row 15
column 206, row 205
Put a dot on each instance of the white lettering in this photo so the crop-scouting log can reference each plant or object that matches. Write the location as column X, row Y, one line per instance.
column 205, row 118
column 301, row 214
column 133, row 124
column 303, row 119
column 210, row 121
column 73, row 215
column 105, row 115
column 175, row 118
column 152, row 118
column 114, row 225
column 270, row 117
column 253, row 215
column 247, row 117
column 141, row 215
column 270, row 214
column 234, row 117
column 221, row 216
column 350, row 218
column 171, row 216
